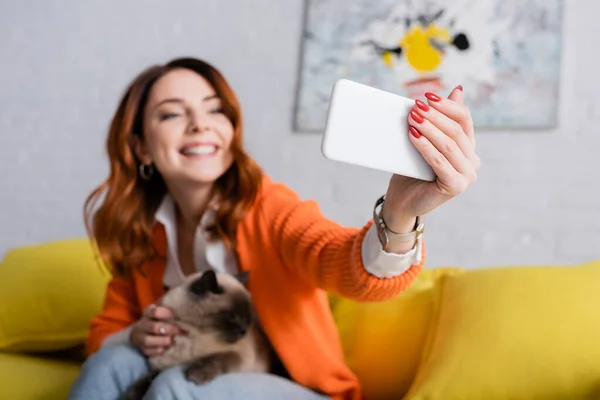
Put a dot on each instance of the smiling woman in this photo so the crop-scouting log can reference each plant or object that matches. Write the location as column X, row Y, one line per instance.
column 183, row 197
column 168, row 120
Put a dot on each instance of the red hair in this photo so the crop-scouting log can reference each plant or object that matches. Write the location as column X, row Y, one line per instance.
column 122, row 227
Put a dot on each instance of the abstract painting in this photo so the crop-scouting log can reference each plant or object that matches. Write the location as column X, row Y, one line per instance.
column 505, row 53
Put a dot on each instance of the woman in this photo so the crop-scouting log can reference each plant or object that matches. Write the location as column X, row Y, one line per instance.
column 183, row 196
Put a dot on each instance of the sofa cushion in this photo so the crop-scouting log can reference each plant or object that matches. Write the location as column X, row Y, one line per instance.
column 514, row 333
column 34, row 378
column 49, row 293
column 382, row 341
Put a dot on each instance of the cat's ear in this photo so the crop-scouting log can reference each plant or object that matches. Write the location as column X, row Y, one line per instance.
column 243, row 277
column 207, row 283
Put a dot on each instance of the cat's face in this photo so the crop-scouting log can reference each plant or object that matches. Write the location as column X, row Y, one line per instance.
column 212, row 303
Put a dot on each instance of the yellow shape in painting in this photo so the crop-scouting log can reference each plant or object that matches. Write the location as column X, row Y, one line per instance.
column 387, row 58
column 419, row 51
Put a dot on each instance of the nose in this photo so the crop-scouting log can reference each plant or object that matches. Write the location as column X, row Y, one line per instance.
column 197, row 128
column 198, row 124
column 239, row 324
column 241, row 330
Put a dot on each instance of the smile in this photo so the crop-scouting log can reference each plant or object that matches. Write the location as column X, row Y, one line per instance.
column 200, row 150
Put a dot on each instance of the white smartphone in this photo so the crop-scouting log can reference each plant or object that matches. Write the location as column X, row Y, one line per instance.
column 368, row 127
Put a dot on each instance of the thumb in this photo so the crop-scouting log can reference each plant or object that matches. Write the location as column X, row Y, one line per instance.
column 163, row 313
column 457, row 95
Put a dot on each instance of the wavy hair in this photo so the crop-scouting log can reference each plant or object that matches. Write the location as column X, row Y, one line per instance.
column 122, row 226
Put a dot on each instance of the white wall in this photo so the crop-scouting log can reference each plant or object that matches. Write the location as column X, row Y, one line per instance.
column 65, row 64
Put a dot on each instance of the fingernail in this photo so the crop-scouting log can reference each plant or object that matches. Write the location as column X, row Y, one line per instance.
column 422, row 105
column 414, row 132
column 459, row 87
column 416, row 116
column 432, row 96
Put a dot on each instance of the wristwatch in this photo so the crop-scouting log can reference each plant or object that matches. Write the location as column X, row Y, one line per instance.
column 383, row 230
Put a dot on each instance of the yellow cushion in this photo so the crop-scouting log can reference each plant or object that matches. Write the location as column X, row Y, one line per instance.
column 48, row 294
column 383, row 341
column 32, row 378
column 514, row 333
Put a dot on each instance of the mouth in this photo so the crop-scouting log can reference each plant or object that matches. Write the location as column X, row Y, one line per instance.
column 200, row 150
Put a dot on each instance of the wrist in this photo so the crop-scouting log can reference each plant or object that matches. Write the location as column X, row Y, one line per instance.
column 402, row 231
column 397, row 222
column 399, row 225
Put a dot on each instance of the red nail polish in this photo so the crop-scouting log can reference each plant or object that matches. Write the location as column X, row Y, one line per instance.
column 422, row 105
column 414, row 131
column 416, row 116
column 432, row 96
column 459, row 87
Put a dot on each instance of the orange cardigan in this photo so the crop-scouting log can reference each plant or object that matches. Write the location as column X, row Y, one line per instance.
column 295, row 255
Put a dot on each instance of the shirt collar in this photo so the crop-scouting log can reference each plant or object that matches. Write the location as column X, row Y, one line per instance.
column 165, row 214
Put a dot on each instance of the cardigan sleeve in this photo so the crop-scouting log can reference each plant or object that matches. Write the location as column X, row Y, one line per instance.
column 384, row 264
column 325, row 254
column 119, row 311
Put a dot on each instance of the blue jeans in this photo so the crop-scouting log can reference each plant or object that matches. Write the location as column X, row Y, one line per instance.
column 108, row 373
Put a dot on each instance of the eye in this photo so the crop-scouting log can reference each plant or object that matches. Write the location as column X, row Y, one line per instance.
column 218, row 110
column 167, row 116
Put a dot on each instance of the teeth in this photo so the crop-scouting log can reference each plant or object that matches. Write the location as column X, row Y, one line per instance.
column 200, row 150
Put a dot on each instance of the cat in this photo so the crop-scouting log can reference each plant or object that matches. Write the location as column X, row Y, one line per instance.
column 223, row 334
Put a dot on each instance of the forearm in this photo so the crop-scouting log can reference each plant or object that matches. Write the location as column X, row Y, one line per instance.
column 119, row 337
column 120, row 310
column 323, row 254
column 372, row 274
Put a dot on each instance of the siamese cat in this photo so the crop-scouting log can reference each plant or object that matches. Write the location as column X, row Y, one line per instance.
column 223, row 332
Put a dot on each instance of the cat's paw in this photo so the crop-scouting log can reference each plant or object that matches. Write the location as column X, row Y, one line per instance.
column 200, row 374
column 138, row 389
column 207, row 368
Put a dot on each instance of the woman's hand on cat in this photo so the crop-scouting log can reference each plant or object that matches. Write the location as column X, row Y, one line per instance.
column 154, row 333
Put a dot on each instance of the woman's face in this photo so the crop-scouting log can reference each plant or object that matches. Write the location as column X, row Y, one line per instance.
column 186, row 134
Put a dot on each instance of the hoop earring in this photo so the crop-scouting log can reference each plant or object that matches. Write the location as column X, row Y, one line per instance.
column 146, row 171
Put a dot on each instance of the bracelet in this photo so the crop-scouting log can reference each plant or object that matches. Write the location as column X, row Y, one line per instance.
column 382, row 228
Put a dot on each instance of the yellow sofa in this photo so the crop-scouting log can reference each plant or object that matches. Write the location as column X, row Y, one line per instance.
column 495, row 333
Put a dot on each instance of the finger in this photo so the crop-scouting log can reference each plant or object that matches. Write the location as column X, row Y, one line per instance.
column 455, row 111
column 445, row 146
column 440, row 164
column 457, row 95
column 449, row 127
column 161, row 313
column 148, row 341
column 158, row 328
column 163, row 329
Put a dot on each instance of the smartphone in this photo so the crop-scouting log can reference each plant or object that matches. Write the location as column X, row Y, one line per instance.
column 368, row 127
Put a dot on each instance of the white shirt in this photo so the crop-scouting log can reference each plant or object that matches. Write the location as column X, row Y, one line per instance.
column 214, row 255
